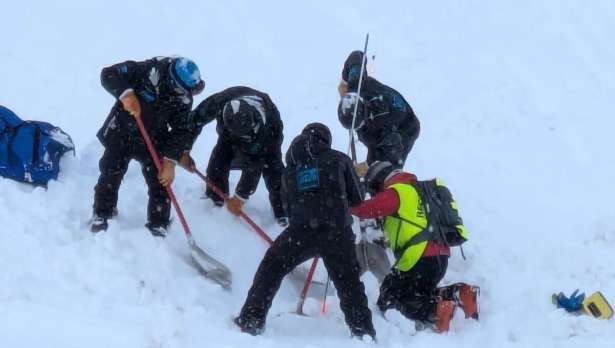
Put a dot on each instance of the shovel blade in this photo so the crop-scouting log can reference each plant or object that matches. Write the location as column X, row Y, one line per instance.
column 317, row 288
column 373, row 257
column 210, row 267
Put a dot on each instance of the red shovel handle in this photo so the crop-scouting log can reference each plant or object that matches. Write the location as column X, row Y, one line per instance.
column 154, row 154
column 243, row 215
column 306, row 286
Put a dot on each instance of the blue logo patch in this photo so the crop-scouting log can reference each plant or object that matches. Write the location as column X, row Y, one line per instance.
column 398, row 102
column 147, row 96
column 354, row 72
column 307, row 179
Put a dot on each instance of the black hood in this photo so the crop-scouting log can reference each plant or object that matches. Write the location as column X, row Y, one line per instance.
column 307, row 146
column 352, row 67
column 320, row 134
column 297, row 151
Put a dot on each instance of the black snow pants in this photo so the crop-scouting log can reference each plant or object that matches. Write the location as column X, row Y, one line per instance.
column 414, row 293
column 296, row 245
column 270, row 165
column 113, row 166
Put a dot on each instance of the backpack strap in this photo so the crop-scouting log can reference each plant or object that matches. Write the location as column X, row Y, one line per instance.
column 427, row 233
column 423, row 236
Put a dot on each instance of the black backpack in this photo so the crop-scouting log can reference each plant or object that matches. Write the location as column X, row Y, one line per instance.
column 442, row 215
column 443, row 220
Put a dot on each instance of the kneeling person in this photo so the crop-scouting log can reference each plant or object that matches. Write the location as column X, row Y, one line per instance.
column 320, row 187
column 421, row 222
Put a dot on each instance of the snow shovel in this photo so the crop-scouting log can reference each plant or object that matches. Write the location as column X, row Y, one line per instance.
column 306, row 287
column 299, row 274
column 207, row 265
column 371, row 256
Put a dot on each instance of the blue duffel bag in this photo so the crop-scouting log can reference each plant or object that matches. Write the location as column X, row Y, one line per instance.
column 30, row 151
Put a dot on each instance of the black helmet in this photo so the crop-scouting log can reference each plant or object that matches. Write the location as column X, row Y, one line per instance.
column 377, row 174
column 185, row 76
column 345, row 110
column 242, row 119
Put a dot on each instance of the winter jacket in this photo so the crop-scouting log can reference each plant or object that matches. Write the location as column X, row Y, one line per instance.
column 389, row 117
column 269, row 137
column 262, row 151
column 165, row 111
column 319, row 184
column 387, row 203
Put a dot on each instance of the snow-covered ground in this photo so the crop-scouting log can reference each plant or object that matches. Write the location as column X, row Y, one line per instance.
column 516, row 103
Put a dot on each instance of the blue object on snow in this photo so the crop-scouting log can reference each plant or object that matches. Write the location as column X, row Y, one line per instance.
column 573, row 303
column 30, row 151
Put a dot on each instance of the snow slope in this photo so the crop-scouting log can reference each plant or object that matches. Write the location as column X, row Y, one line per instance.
column 516, row 104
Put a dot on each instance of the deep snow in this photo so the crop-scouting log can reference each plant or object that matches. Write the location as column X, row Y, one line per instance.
column 516, row 104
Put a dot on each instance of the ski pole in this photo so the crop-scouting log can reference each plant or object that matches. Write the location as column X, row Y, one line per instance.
column 356, row 105
column 243, row 215
column 353, row 150
column 323, row 309
column 306, row 286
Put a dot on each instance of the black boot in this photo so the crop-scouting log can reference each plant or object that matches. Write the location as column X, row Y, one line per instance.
column 217, row 200
column 361, row 333
column 98, row 223
column 254, row 328
column 282, row 221
column 157, row 230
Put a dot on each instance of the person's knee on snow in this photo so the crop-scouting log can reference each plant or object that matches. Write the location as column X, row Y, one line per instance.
column 421, row 255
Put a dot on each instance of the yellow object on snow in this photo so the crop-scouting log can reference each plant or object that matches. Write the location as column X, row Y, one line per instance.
column 597, row 306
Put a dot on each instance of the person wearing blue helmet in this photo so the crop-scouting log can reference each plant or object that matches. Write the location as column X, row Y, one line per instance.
column 160, row 92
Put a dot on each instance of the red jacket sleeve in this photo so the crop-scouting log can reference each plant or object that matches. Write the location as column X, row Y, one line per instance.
column 383, row 204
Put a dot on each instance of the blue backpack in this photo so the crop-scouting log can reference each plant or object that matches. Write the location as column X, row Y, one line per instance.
column 30, row 151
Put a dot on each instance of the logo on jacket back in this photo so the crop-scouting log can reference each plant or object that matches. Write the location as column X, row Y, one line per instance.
column 398, row 102
column 307, row 179
column 354, row 72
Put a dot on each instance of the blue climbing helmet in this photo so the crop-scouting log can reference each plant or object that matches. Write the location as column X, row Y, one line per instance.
column 185, row 74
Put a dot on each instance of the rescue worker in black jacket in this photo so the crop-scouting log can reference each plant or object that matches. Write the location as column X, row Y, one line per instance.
column 320, row 186
column 385, row 123
column 160, row 92
column 249, row 138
